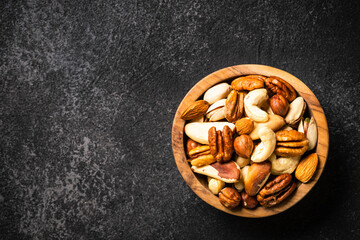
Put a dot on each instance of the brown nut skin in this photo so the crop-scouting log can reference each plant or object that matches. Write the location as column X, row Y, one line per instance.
column 248, row 83
column 279, row 105
column 221, row 143
column 228, row 170
column 244, row 146
column 191, row 144
column 248, row 201
column 256, row 177
column 276, row 190
column 276, row 85
column 229, row 197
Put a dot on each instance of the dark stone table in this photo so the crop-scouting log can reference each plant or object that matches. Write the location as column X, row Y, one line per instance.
column 89, row 90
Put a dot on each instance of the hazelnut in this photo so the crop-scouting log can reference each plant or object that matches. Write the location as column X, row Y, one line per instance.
column 243, row 146
column 229, row 197
column 279, row 105
column 248, row 201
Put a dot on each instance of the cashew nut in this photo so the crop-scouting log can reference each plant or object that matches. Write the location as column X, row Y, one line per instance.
column 275, row 122
column 266, row 147
column 283, row 164
column 253, row 100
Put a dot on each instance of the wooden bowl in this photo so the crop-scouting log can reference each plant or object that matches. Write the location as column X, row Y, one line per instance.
column 198, row 183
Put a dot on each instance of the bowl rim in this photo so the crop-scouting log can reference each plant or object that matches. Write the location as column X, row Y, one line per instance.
column 226, row 74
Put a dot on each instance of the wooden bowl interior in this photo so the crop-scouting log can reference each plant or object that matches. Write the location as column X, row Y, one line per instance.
column 198, row 183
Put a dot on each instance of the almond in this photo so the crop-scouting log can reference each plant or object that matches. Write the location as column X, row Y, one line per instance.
column 244, row 126
column 195, row 110
column 306, row 168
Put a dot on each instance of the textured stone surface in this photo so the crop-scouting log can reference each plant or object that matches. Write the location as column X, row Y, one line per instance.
column 89, row 90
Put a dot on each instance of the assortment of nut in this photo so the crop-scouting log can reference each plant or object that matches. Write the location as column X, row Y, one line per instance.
column 252, row 141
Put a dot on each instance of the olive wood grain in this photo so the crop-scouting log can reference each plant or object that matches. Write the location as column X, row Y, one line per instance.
column 198, row 183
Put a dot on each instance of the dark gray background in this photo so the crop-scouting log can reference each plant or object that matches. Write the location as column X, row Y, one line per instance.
column 89, row 90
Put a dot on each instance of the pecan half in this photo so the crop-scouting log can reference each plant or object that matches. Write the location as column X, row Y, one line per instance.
column 221, row 143
column 248, row 83
column 295, row 144
column 276, row 190
column 290, row 152
column 289, row 135
column 276, row 85
column 200, row 156
column 191, row 144
column 291, row 143
column 234, row 106
column 198, row 151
